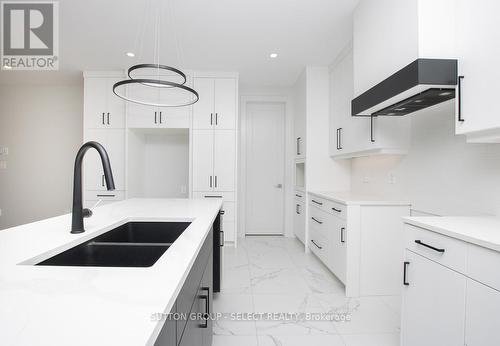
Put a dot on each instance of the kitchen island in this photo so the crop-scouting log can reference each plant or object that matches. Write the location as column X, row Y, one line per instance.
column 77, row 305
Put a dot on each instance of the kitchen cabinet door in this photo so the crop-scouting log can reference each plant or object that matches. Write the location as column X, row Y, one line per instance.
column 113, row 141
column 337, row 257
column 203, row 110
column 482, row 315
column 142, row 116
column 115, row 106
column 174, row 117
column 225, row 103
column 478, row 53
column 206, row 289
column 433, row 311
column 299, row 221
column 95, row 103
column 203, row 160
column 224, row 160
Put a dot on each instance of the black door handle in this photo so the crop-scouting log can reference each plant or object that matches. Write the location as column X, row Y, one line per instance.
column 160, row 118
column 216, row 118
column 320, row 222
column 419, row 242
column 103, row 119
column 297, row 195
column 297, row 206
column 318, row 203
column 108, row 118
column 319, row 247
column 337, row 210
column 460, row 98
column 405, row 269
column 342, row 239
column 206, row 315
column 155, row 117
column 211, row 118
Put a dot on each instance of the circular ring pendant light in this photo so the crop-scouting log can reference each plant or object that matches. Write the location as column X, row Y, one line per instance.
column 157, row 80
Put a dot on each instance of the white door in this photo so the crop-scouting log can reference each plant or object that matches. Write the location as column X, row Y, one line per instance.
column 265, row 157
column 115, row 106
column 225, row 103
column 203, row 110
column 95, row 103
column 482, row 315
column 203, row 160
column 224, row 160
column 478, row 51
column 433, row 312
column 113, row 141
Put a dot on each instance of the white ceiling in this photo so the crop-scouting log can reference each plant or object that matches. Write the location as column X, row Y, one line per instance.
column 229, row 35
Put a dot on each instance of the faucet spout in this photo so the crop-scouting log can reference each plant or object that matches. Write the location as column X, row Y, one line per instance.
column 78, row 212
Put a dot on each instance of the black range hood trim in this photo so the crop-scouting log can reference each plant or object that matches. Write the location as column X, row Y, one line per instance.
column 442, row 72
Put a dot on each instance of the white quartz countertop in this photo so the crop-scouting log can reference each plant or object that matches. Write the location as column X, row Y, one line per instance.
column 480, row 230
column 352, row 198
column 55, row 305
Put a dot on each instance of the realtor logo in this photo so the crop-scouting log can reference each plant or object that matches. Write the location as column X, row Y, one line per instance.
column 30, row 35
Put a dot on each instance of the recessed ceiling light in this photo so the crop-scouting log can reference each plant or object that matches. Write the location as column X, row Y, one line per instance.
column 7, row 67
column 130, row 54
column 273, row 55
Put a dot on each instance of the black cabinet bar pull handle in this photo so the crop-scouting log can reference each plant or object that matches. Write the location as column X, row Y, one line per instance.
column 405, row 269
column 210, row 179
column 216, row 118
column 215, row 181
column 210, row 196
column 338, row 147
column 371, row 129
column 103, row 119
column 108, row 118
column 102, row 180
column 211, row 118
column 318, row 203
column 319, row 247
column 106, row 195
column 160, row 118
column 342, row 240
column 340, row 138
column 298, row 145
column 460, row 98
column 337, row 210
column 221, row 238
column 419, row 242
column 207, row 309
column 297, row 195
column 155, row 117
column 297, row 206
column 320, row 222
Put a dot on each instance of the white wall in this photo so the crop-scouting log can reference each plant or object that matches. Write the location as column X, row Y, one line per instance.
column 42, row 127
column 441, row 174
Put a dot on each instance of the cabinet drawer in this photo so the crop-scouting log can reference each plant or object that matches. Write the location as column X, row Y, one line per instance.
column 105, row 195
column 447, row 251
column 299, row 196
column 336, row 209
column 321, row 222
column 318, row 245
column 226, row 196
column 317, row 202
column 483, row 265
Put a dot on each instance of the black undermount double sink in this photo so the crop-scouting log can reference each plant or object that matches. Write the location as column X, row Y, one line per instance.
column 134, row 244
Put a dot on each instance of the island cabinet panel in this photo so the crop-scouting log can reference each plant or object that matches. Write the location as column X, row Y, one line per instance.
column 193, row 301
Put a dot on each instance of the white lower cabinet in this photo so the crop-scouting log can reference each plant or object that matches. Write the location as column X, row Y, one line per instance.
column 447, row 301
column 482, row 319
column 299, row 217
column 355, row 240
column 433, row 304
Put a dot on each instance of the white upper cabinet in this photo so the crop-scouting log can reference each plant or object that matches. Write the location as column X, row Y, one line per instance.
column 390, row 34
column 216, row 107
column 300, row 118
column 478, row 47
column 102, row 109
column 114, row 142
column 355, row 136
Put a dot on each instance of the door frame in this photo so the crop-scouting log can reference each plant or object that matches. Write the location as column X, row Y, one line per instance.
column 287, row 161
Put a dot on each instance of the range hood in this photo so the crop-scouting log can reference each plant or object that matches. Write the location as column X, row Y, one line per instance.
column 421, row 84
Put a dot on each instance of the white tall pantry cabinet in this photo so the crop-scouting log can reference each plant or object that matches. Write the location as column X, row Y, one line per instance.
column 214, row 144
column 211, row 124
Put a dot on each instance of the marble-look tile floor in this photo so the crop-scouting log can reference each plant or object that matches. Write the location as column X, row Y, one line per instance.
column 273, row 274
